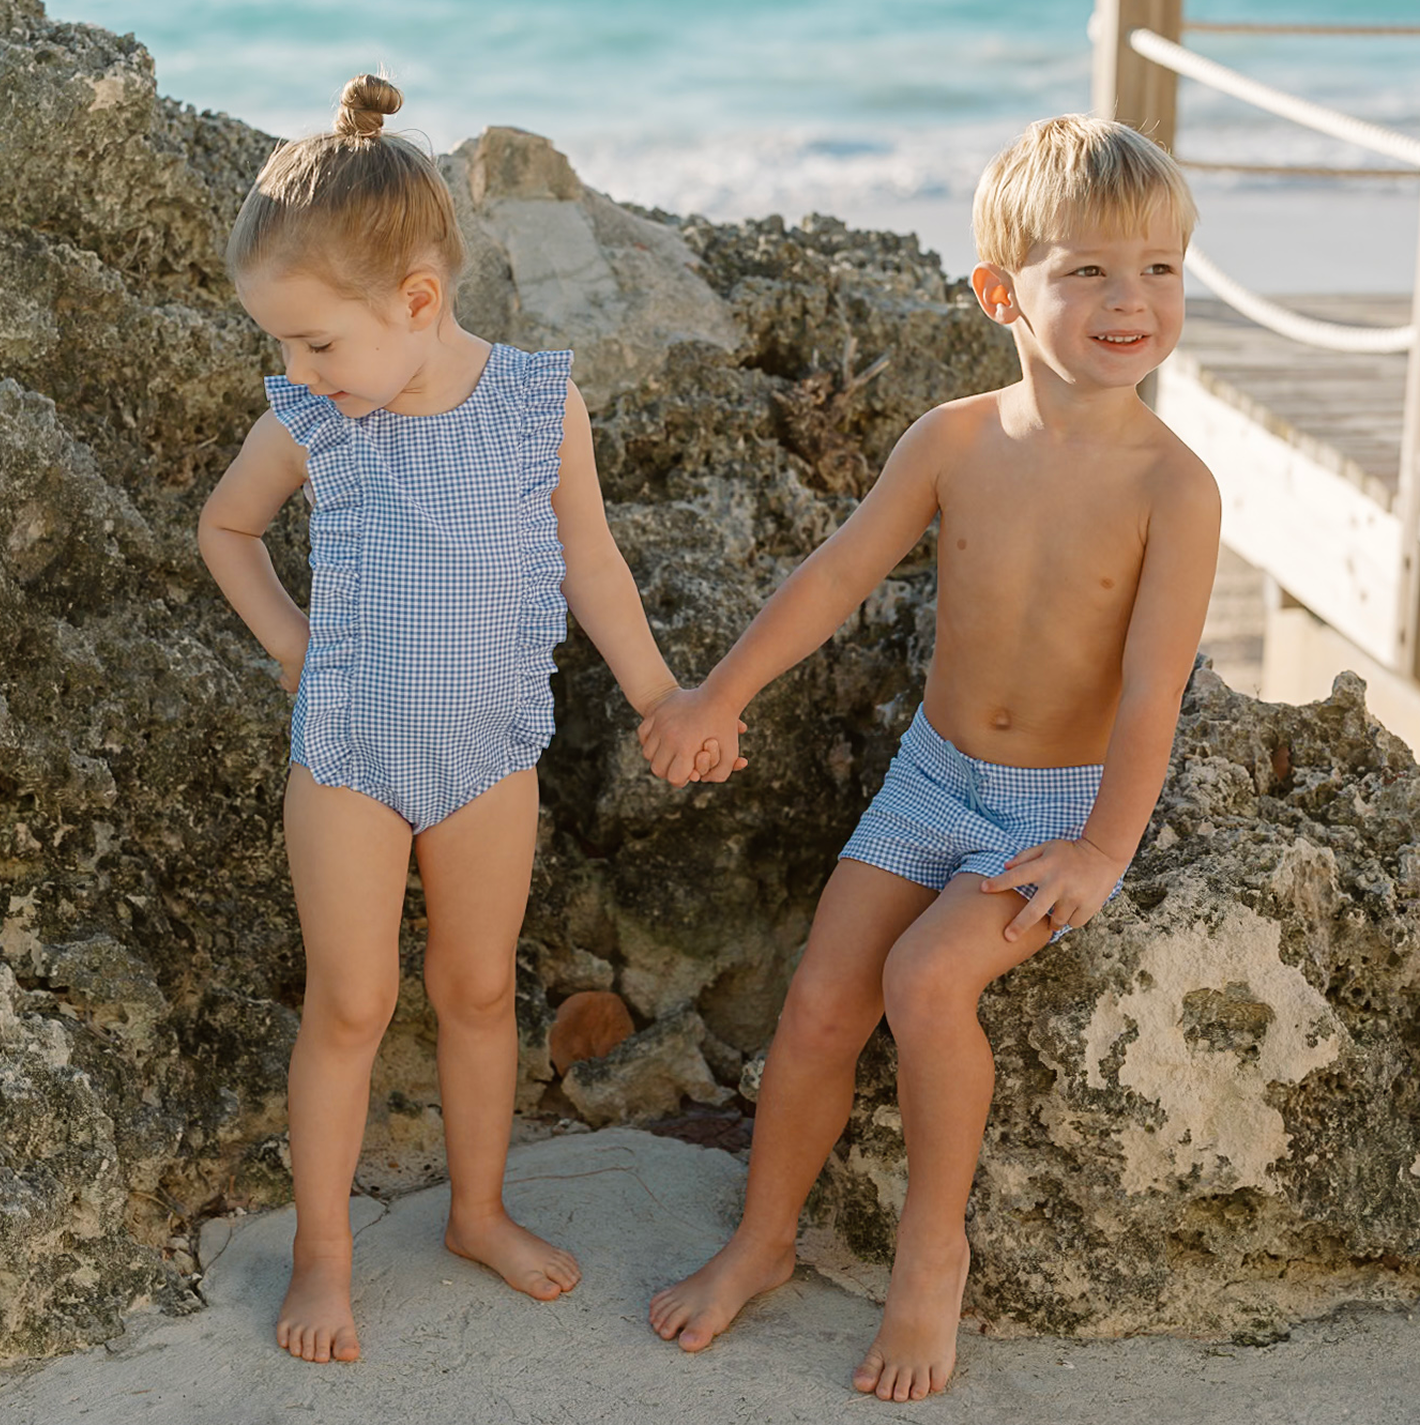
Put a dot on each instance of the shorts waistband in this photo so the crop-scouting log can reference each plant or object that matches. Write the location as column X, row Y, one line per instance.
column 980, row 777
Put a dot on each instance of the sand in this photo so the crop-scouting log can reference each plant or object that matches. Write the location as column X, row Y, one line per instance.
column 446, row 1343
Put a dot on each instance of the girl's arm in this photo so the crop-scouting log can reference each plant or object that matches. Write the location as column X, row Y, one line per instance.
column 806, row 609
column 598, row 587
column 269, row 470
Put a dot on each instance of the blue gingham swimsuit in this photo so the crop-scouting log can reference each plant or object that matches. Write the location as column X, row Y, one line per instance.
column 941, row 812
column 436, row 587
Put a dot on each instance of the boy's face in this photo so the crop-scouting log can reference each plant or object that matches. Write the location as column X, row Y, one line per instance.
column 1101, row 309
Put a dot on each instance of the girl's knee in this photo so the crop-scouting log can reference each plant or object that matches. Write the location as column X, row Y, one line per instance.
column 348, row 1014
column 474, row 993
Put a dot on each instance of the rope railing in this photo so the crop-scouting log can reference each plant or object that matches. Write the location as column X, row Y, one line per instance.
column 1252, row 27
column 1293, row 170
column 1332, row 336
column 1275, row 101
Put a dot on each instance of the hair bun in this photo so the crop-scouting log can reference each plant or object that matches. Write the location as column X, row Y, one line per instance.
column 364, row 102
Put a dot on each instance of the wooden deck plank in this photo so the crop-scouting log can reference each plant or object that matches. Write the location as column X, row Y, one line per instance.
column 1345, row 407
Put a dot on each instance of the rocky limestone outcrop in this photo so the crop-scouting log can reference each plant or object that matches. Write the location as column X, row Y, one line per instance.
column 1207, row 1116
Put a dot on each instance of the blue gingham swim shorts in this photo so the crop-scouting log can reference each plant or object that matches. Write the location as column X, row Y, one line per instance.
column 941, row 812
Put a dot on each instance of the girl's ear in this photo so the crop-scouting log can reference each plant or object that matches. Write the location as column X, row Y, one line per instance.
column 421, row 296
column 992, row 286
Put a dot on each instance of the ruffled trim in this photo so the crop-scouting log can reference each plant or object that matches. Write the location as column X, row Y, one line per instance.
column 544, row 616
column 320, row 725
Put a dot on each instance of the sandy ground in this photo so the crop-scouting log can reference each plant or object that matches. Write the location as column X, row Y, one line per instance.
column 446, row 1343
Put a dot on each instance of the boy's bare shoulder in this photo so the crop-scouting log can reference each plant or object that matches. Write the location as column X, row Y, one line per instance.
column 1183, row 487
column 952, row 427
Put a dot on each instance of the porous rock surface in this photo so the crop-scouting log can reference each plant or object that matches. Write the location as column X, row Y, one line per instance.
column 746, row 382
column 1207, row 1114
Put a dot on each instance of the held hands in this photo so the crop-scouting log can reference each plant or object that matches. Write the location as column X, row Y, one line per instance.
column 689, row 737
column 1073, row 879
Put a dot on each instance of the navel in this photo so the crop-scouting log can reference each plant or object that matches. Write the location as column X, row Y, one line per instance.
column 1001, row 719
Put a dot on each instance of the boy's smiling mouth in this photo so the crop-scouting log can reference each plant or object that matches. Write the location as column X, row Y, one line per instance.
column 1128, row 339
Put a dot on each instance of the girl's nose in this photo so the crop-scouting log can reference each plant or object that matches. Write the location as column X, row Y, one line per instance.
column 298, row 370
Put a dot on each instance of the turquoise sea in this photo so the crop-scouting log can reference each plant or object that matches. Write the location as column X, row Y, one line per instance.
column 743, row 107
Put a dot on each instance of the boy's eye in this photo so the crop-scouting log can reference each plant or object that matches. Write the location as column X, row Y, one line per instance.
column 1089, row 270
column 1160, row 269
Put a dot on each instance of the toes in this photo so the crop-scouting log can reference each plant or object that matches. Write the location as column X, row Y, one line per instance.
column 543, row 1288
column 695, row 1338
column 322, row 1344
column 346, row 1346
column 940, row 1375
column 921, row 1380
column 867, row 1376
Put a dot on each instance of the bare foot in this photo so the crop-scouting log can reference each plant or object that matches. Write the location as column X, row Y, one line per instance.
column 315, row 1322
column 523, row 1260
column 697, row 1309
column 916, row 1346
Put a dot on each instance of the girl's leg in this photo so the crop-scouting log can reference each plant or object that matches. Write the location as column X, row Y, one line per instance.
column 349, row 860
column 834, row 1003
column 476, row 866
column 932, row 981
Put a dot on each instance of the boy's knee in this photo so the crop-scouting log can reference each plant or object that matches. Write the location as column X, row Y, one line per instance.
column 823, row 1019
column 924, row 982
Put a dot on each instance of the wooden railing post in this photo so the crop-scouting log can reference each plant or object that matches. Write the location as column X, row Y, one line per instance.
column 1127, row 86
column 1407, row 504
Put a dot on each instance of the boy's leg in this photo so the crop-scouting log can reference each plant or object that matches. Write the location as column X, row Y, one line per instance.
column 349, row 859
column 932, row 981
column 476, row 866
column 834, row 1003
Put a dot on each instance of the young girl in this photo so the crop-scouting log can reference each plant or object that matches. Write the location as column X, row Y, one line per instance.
column 455, row 507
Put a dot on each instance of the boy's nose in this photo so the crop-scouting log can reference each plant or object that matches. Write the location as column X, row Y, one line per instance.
column 1125, row 294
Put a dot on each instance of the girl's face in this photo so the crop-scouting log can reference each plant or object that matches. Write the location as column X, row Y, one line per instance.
column 362, row 355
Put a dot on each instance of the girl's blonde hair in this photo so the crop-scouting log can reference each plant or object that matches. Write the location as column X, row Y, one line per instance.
column 358, row 208
column 1068, row 174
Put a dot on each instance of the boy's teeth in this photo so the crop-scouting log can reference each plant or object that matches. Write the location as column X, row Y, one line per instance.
column 1121, row 340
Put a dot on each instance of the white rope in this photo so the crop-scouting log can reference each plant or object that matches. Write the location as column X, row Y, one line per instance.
column 1330, row 335
column 1300, row 111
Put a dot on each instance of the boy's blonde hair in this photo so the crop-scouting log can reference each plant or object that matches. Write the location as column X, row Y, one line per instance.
column 358, row 208
column 1067, row 174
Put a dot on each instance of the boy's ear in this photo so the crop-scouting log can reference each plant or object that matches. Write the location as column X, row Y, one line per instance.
column 992, row 286
column 422, row 296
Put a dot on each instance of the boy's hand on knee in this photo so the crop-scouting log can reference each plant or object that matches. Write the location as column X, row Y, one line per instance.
column 1073, row 879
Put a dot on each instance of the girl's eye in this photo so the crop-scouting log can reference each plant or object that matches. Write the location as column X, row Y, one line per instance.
column 317, row 350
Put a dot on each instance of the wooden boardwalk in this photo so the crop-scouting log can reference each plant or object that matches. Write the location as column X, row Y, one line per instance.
column 1342, row 409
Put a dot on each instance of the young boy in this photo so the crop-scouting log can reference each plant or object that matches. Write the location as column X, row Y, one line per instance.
column 1075, row 557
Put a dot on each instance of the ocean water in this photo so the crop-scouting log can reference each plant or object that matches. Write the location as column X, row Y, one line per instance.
column 746, row 107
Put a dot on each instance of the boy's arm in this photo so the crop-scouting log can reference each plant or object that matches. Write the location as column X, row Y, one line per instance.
column 1074, row 879
column 598, row 585
column 806, row 609
column 269, row 470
